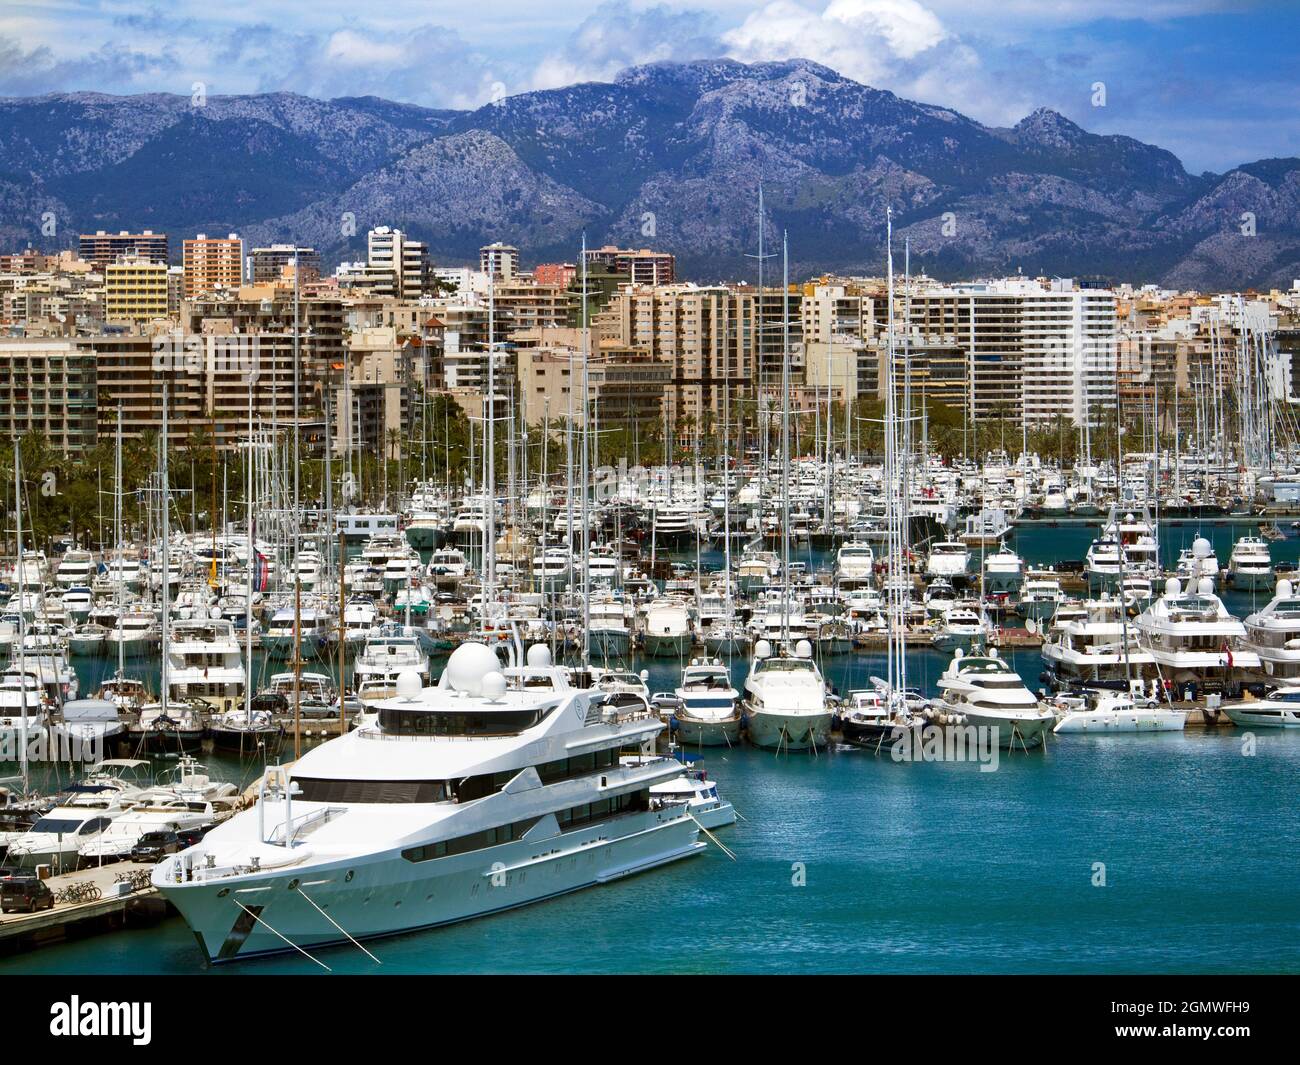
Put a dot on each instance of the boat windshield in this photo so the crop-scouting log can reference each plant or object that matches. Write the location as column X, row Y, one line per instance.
column 786, row 665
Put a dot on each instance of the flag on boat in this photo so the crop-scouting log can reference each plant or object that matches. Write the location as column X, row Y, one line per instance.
column 261, row 572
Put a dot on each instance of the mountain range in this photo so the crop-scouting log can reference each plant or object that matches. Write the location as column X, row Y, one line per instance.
column 669, row 156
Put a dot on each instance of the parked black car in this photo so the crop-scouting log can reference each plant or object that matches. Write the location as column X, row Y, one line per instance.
column 25, row 895
column 154, row 846
column 190, row 836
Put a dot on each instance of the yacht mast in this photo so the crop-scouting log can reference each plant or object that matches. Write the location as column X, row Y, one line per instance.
column 22, row 613
column 785, row 438
column 585, row 472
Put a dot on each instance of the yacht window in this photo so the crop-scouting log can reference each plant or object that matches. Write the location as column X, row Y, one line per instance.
column 786, row 665
column 371, row 791
column 56, row 826
column 489, row 837
column 402, row 722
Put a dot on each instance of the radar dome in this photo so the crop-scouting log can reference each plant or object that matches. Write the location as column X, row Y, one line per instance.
column 494, row 685
column 1284, row 589
column 539, row 656
column 468, row 665
column 1206, row 586
column 762, row 649
column 215, row 613
column 803, row 649
column 1172, row 587
column 1201, row 547
column 409, row 684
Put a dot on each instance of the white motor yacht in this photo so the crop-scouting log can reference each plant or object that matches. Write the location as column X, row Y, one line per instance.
column 785, row 702
column 402, row 824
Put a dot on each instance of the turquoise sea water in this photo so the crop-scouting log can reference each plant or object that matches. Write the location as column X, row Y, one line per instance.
column 907, row 868
column 851, row 862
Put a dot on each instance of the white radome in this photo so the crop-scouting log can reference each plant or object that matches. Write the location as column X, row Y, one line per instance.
column 468, row 665
column 409, row 684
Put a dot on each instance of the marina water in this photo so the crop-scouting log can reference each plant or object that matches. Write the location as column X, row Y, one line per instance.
column 1170, row 852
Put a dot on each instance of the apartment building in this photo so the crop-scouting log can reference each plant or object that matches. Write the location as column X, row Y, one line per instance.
column 561, row 275
column 641, row 266
column 528, row 305
column 499, row 261
column 625, row 385
column 102, row 248
column 48, row 385
column 396, row 266
column 211, row 264
column 717, row 340
column 135, row 290
column 370, row 394
column 267, row 266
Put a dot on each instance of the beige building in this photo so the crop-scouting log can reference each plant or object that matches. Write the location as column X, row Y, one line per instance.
column 48, row 385
column 499, row 261
column 720, row 342
column 625, row 385
column 370, row 395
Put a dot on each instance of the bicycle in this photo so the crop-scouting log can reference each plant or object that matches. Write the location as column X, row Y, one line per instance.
column 80, row 891
column 137, row 879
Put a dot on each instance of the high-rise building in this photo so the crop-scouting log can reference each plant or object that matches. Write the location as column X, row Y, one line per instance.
column 212, row 263
column 499, row 261
column 135, row 290
column 47, row 384
column 642, row 266
column 396, row 266
column 717, row 339
column 267, row 265
column 102, row 248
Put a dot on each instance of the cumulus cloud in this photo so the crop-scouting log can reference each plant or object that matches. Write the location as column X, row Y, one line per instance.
column 864, row 39
column 616, row 36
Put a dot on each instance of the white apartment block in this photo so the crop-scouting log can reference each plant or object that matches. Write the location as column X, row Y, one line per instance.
column 396, row 265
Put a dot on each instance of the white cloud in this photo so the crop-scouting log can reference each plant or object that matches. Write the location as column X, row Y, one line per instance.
column 617, row 35
column 863, row 39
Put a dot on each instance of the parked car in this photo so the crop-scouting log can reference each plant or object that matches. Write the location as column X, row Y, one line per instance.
column 154, row 846
column 190, row 836
column 25, row 895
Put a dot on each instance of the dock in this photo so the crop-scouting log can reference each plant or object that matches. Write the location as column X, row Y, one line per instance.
column 21, row 932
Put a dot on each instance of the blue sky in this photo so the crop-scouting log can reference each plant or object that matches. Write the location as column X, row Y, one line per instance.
column 1215, row 81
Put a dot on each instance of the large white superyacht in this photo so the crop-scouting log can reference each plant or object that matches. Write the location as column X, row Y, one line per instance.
column 496, row 788
column 1194, row 639
column 1273, row 632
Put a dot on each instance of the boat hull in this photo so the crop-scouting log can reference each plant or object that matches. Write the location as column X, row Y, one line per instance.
column 659, row 645
column 1121, row 721
column 384, row 894
column 696, row 732
column 785, row 731
column 1014, row 732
